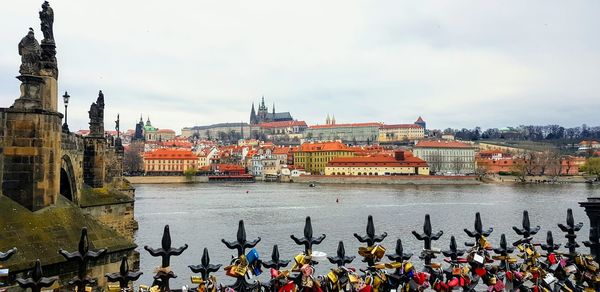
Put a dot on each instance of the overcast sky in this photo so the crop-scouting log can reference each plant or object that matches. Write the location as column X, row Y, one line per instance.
column 456, row 63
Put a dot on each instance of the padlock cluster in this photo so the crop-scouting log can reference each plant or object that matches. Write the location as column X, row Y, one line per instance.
column 524, row 265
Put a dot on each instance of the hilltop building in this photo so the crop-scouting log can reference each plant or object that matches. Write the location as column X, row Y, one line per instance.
column 222, row 131
column 264, row 116
column 420, row 122
column 360, row 133
column 401, row 133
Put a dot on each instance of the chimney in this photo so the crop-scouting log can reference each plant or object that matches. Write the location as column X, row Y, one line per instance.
column 399, row 155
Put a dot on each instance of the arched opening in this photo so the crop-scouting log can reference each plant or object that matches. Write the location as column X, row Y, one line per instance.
column 65, row 185
column 68, row 188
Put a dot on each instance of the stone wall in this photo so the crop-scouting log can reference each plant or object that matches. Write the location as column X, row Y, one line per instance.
column 166, row 179
column 395, row 180
column 93, row 162
column 117, row 216
column 31, row 149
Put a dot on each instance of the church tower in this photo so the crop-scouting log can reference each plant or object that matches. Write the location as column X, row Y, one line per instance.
column 253, row 120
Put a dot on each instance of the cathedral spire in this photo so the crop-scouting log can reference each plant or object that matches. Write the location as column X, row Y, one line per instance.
column 263, row 102
column 327, row 120
column 253, row 115
column 273, row 110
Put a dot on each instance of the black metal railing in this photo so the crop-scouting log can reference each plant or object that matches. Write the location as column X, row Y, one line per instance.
column 523, row 266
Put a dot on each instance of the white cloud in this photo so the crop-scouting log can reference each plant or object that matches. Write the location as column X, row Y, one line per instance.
column 458, row 63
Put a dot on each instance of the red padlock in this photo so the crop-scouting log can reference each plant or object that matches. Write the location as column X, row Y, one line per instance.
column 552, row 258
column 480, row 271
column 289, row 287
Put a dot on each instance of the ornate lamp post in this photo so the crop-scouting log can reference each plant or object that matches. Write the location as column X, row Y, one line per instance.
column 65, row 126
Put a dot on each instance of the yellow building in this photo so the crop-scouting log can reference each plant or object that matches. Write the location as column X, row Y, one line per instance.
column 403, row 163
column 313, row 157
column 401, row 132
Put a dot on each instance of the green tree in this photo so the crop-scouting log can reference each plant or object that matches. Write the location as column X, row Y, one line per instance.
column 592, row 166
column 190, row 173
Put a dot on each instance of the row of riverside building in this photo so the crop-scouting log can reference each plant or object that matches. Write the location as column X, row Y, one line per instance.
column 355, row 149
column 266, row 160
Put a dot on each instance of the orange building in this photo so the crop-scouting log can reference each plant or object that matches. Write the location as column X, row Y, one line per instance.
column 313, row 157
column 169, row 161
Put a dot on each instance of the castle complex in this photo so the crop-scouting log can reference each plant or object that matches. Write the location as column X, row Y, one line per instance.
column 264, row 116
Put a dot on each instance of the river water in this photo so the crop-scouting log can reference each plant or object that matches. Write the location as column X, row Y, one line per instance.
column 202, row 214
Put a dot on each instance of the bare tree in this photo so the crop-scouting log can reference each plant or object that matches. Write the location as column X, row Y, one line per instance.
column 520, row 169
column 481, row 170
column 132, row 158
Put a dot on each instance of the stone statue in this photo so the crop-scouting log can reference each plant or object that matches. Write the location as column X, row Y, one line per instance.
column 30, row 52
column 94, row 112
column 96, row 115
column 47, row 21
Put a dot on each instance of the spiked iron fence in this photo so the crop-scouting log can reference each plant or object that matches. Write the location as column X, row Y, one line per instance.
column 522, row 266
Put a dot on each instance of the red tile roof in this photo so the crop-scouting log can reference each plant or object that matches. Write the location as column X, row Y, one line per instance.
column 324, row 146
column 282, row 124
column 419, row 120
column 401, row 126
column 442, row 144
column 170, row 154
column 281, row 150
column 346, row 125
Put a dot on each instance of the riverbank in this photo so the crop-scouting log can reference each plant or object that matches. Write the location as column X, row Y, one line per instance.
column 389, row 180
column 166, row 179
column 510, row 179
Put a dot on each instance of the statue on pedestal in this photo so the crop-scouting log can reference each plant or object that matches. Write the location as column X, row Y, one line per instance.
column 30, row 52
column 47, row 21
column 96, row 114
column 49, row 64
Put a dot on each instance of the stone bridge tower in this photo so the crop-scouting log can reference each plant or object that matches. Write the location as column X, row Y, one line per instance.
column 31, row 127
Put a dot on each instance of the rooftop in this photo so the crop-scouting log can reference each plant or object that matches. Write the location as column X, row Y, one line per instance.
column 442, row 144
column 281, row 124
column 346, row 125
column 401, row 126
column 323, row 146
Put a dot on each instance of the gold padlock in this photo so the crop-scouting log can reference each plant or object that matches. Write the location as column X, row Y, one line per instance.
column 364, row 251
column 393, row 265
column 379, row 266
column 484, row 243
column 197, row 280
column 299, row 261
column 241, row 270
column 408, row 266
column 114, row 287
column 378, row 251
column 332, row 277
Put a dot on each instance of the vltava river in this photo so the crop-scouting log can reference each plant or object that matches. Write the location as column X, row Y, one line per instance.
column 201, row 214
